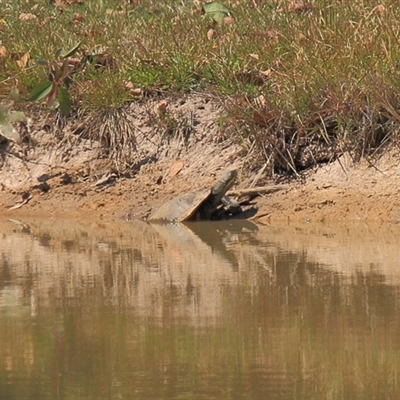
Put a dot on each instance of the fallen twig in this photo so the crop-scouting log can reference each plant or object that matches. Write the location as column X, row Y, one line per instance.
column 257, row 191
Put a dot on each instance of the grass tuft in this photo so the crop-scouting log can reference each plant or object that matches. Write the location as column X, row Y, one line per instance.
column 113, row 129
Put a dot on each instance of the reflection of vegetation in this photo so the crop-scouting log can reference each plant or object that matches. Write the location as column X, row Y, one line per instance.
column 291, row 339
column 281, row 328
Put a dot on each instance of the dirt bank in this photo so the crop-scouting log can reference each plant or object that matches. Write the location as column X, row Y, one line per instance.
column 58, row 172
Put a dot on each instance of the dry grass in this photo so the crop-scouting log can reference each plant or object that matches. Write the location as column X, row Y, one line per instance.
column 302, row 81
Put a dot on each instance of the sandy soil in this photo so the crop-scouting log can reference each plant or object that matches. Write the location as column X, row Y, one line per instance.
column 59, row 176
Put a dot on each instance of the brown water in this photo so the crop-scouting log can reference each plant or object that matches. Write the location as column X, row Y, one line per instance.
column 219, row 311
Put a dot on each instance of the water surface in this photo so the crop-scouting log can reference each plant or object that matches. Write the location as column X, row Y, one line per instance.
column 206, row 311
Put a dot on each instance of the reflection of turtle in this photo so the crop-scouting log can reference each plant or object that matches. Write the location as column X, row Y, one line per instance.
column 200, row 205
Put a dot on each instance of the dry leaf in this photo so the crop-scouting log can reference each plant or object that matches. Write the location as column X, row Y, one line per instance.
column 59, row 3
column 46, row 21
column 3, row 52
column 77, row 18
column 228, row 21
column 27, row 17
column 133, row 90
column 211, row 34
column 161, row 107
column 302, row 38
column 379, row 9
column 267, row 72
column 263, row 119
column 66, row 3
column 176, row 168
column 299, row 7
column 255, row 56
column 23, row 61
column 137, row 92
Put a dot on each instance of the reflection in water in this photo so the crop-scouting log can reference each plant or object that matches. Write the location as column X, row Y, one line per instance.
column 202, row 311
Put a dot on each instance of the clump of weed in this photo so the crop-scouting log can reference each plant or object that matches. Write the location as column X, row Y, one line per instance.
column 114, row 129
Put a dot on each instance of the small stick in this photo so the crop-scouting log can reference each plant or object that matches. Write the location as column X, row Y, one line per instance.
column 257, row 190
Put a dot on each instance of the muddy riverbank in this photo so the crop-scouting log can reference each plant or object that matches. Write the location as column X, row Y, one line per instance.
column 59, row 174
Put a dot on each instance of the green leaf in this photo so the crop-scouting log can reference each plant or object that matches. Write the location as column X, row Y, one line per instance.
column 40, row 91
column 3, row 114
column 64, row 100
column 218, row 16
column 17, row 116
column 7, row 130
column 72, row 51
column 216, row 11
column 58, row 53
column 64, row 70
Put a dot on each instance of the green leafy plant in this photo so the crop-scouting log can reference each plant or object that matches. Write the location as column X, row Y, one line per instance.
column 55, row 88
column 6, row 120
column 216, row 11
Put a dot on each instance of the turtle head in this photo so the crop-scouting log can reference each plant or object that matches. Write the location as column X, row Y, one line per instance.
column 223, row 185
column 230, row 177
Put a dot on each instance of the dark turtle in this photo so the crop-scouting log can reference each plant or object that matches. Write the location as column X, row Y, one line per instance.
column 198, row 205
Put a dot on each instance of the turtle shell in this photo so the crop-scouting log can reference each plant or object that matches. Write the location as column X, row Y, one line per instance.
column 181, row 208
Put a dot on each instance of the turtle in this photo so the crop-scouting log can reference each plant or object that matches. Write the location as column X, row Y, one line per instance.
column 200, row 205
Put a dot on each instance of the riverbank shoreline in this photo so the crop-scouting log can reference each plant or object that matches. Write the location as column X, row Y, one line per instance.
column 59, row 174
column 337, row 192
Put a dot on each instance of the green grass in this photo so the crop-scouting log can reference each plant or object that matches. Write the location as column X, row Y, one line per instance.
column 335, row 65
